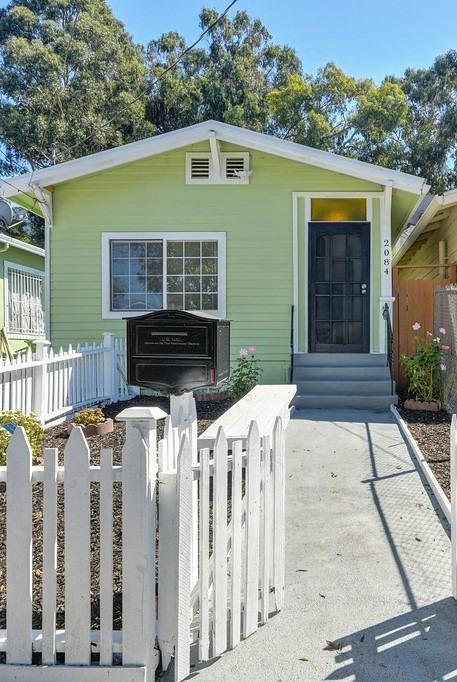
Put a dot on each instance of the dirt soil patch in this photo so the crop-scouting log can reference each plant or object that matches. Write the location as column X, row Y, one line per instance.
column 431, row 431
column 57, row 437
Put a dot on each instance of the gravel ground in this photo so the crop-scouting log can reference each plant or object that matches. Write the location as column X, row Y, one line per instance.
column 431, row 430
column 57, row 437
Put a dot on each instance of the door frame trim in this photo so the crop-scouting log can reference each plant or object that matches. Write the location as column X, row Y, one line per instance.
column 307, row 196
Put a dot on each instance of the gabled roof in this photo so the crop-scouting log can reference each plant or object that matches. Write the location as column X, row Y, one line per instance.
column 224, row 132
column 428, row 209
column 18, row 244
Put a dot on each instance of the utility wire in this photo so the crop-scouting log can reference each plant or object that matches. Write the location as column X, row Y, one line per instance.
column 159, row 78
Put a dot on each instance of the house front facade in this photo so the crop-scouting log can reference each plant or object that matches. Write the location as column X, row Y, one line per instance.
column 292, row 244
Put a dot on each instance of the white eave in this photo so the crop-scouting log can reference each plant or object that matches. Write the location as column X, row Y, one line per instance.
column 223, row 132
column 18, row 244
column 411, row 233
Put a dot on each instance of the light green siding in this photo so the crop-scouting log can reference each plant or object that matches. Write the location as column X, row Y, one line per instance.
column 152, row 195
column 20, row 257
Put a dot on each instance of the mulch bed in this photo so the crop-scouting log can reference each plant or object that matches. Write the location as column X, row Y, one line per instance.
column 431, row 431
column 56, row 437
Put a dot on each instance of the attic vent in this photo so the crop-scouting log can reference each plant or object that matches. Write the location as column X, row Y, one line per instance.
column 234, row 166
column 199, row 168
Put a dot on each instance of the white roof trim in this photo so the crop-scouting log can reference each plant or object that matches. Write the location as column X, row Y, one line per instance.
column 409, row 235
column 134, row 151
column 18, row 244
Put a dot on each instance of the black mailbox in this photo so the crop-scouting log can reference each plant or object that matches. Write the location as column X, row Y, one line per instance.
column 174, row 351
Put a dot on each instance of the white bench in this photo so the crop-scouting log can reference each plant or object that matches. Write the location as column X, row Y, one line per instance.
column 263, row 404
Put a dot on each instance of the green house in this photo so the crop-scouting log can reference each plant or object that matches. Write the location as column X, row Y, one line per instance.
column 290, row 243
column 21, row 291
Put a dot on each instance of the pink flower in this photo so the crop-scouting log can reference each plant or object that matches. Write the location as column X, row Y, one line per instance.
column 416, row 326
column 444, row 347
column 244, row 352
column 442, row 330
column 442, row 367
column 429, row 334
column 252, row 349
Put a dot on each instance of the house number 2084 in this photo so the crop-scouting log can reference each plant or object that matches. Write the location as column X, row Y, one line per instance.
column 386, row 256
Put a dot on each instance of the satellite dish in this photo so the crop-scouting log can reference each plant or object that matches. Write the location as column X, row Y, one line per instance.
column 6, row 213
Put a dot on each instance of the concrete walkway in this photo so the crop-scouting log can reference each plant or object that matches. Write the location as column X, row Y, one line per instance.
column 368, row 565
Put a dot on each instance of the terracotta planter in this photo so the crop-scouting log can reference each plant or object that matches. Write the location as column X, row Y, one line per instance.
column 94, row 429
column 432, row 406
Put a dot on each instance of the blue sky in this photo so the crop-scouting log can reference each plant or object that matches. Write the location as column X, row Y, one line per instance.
column 369, row 39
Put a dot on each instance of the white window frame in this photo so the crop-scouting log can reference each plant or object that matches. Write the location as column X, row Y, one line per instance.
column 108, row 237
column 214, row 178
column 10, row 265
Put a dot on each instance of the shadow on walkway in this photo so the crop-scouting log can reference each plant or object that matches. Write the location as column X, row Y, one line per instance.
column 402, row 648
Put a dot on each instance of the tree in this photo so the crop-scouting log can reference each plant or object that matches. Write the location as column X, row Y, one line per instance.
column 338, row 113
column 429, row 136
column 228, row 80
column 68, row 70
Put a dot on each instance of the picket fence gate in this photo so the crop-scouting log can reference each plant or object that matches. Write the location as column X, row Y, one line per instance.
column 218, row 522
column 52, row 384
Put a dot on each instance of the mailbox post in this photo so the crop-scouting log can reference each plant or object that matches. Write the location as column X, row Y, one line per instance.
column 175, row 352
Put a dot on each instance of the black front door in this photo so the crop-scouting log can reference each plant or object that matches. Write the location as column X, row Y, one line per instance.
column 339, row 287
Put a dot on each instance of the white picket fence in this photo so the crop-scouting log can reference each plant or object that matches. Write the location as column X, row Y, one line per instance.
column 210, row 596
column 52, row 384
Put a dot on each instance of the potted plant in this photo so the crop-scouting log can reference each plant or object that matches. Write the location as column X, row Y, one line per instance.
column 93, row 422
column 424, row 370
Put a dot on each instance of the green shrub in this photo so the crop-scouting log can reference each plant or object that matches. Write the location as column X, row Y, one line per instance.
column 33, row 429
column 425, row 368
column 245, row 375
column 91, row 415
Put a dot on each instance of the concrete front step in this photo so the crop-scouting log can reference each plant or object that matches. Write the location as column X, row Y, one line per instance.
column 340, row 359
column 340, row 373
column 348, row 388
column 350, row 402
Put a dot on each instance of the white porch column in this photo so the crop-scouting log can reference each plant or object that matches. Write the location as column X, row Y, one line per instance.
column 386, row 261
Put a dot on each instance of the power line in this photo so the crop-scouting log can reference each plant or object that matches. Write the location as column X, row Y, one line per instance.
column 159, row 78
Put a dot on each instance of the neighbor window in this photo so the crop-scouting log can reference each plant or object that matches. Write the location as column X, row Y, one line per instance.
column 338, row 210
column 24, row 301
column 150, row 274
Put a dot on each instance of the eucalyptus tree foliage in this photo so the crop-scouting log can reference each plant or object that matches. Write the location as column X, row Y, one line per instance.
column 67, row 67
column 429, row 136
column 227, row 79
column 339, row 113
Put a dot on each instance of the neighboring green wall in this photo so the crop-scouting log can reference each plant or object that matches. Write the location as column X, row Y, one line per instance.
column 151, row 195
column 426, row 249
column 30, row 260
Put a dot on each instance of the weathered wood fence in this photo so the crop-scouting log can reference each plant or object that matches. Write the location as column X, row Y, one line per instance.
column 218, row 524
column 52, row 384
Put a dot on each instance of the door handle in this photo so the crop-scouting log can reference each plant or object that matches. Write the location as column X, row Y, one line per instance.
column 363, row 288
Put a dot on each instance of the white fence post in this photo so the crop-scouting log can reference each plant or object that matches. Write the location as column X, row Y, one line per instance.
column 454, row 505
column 19, row 550
column 40, row 381
column 139, row 474
column 109, row 367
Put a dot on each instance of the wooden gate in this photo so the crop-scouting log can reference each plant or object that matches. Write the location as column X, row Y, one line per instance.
column 414, row 302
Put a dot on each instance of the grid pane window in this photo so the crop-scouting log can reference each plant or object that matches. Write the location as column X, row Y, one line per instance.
column 136, row 275
column 138, row 268
column 192, row 274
